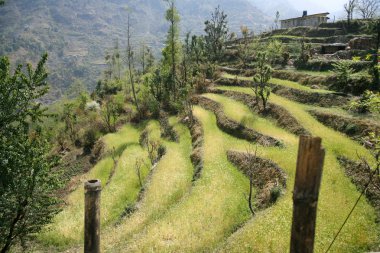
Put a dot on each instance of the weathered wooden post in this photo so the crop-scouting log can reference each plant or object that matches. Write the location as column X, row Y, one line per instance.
column 92, row 216
column 305, row 195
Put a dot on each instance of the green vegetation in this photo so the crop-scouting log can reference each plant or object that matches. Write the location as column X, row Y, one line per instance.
column 28, row 181
column 216, row 34
column 171, row 172
column 334, row 183
column 368, row 102
column 260, row 80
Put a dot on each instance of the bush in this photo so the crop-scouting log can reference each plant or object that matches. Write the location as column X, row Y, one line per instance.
column 343, row 71
column 275, row 193
column 325, row 65
column 89, row 140
column 368, row 102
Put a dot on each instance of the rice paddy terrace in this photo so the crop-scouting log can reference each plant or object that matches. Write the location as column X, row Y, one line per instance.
column 194, row 198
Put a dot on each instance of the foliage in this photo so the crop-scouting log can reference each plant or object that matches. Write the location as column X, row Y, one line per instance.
column 343, row 71
column 89, row 140
column 69, row 116
column 368, row 102
column 75, row 89
column 171, row 53
column 27, row 182
column 216, row 34
column 277, row 52
column 304, row 55
column 245, row 49
column 374, row 29
column 146, row 59
column 110, row 113
column 131, row 66
column 260, row 80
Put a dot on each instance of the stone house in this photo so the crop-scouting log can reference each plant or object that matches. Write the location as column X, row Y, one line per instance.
column 313, row 20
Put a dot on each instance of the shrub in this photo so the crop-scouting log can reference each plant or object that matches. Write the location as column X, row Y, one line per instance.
column 343, row 71
column 275, row 193
column 89, row 139
column 368, row 102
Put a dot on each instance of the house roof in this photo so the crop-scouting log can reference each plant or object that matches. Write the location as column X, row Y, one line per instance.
column 324, row 14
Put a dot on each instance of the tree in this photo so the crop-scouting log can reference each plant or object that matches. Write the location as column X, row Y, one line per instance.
column 374, row 29
column 343, row 72
column 276, row 50
column 171, row 52
column 70, row 118
column 367, row 8
column 2, row 2
column 216, row 34
column 368, row 102
column 277, row 19
column 244, row 48
column 149, row 59
column 111, row 82
column 27, row 181
column 131, row 68
column 349, row 8
column 304, row 56
column 260, row 80
column 110, row 113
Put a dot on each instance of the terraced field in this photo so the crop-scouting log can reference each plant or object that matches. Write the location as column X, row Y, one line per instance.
column 177, row 212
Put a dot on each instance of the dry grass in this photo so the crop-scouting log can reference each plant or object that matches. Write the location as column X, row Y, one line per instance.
column 285, row 83
column 269, row 231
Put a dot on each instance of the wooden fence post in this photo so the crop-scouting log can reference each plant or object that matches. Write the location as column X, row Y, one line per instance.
column 92, row 216
column 305, row 195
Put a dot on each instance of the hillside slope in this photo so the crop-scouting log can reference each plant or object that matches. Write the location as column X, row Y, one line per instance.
column 76, row 34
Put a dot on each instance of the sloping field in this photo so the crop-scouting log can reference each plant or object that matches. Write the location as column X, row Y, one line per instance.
column 175, row 213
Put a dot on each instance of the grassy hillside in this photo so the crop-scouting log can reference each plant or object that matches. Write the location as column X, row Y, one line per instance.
column 76, row 34
column 211, row 214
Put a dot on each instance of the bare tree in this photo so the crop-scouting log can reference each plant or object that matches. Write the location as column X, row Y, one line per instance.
column 349, row 8
column 130, row 62
column 138, row 165
column 277, row 19
column 250, row 159
column 368, row 8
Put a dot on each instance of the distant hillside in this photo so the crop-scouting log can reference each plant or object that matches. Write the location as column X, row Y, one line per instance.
column 77, row 33
column 270, row 7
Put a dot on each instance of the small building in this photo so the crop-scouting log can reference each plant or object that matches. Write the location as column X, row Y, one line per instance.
column 333, row 48
column 313, row 20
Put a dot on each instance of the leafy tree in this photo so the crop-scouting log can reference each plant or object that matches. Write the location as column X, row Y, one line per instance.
column 110, row 113
column 27, row 181
column 276, row 50
column 146, row 59
column 304, row 56
column 69, row 116
column 374, row 29
column 260, row 80
column 244, row 48
column 171, row 53
column 149, row 59
column 343, row 71
column 368, row 102
column 198, row 50
column 75, row 89
column 216, row 34
column 2, row 2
